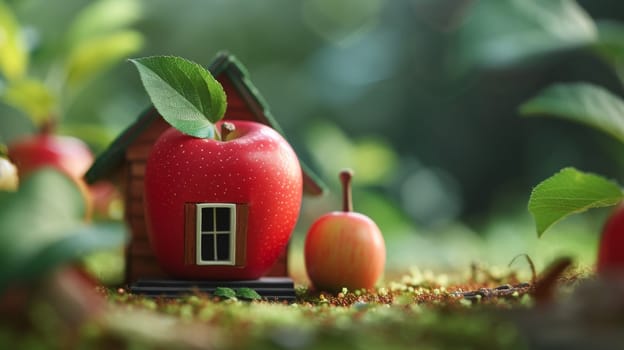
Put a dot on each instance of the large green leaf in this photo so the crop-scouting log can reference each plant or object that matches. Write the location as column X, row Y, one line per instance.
column 610, row 45
column 570, row 191
column 42, row 225
column 580, row 102
column 91, row 57
column 13, row 54
column 184, row 93
column 503, row 32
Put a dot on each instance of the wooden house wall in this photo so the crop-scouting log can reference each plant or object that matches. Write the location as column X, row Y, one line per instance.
column 141, row 261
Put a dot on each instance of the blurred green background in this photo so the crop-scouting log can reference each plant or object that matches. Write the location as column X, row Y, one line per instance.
column 443, row 162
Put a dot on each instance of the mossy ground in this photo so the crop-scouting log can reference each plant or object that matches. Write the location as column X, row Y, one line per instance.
column 413, row 311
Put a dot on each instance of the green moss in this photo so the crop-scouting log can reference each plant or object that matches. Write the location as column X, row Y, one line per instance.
column 401, row 315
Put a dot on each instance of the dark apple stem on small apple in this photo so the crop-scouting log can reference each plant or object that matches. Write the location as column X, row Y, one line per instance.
column 48, row 126
column 345, row 178
column 226, row 129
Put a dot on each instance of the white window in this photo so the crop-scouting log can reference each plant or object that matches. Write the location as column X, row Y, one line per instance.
column 216, row 234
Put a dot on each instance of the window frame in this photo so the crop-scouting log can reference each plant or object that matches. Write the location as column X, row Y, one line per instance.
column 199, row 233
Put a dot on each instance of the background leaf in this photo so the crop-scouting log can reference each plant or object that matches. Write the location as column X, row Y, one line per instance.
column 79, row 241
column 567, row 192
column 42, row 225
column 13, row 54
column 92, row 23
column 98, row 137
column 94, row 56
column 610, row 45
column 184, row 93
column 31, row 97
column 504, row 32
column 580, row 102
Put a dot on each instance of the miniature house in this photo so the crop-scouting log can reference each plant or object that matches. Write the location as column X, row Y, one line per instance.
column 124, row 163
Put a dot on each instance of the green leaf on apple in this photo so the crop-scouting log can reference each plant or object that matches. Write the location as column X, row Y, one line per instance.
column 186, row 95
column 584, row 103
column 39, row 231
column 568, row 192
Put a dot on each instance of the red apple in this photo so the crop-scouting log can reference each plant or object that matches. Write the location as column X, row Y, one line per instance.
column 611, row 248
column 252, row 172
column 66, row 153
column 344, row 249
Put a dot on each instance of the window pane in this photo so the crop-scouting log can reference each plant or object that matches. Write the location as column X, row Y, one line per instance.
column 223, row 219
column 207, row 248
column 223, row 247
column 207, row 219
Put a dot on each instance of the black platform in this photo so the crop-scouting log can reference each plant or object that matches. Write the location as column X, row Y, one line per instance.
column 269, row 288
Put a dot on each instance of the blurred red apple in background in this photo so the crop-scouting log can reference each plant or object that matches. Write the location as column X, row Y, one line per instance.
column 65, row 153
column 344, row 248
column 68, row 154
column 611, row 248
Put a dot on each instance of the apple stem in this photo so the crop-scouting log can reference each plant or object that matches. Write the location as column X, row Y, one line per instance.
column 48, row 126
column 345, row 178
column 226, row 129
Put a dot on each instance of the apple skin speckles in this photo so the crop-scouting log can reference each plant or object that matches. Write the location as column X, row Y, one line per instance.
column 258, row 168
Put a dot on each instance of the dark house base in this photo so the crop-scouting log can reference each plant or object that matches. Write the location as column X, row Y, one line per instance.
column 270, row 288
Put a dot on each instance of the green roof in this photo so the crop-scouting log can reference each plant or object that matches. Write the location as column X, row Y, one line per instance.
column 113, row 157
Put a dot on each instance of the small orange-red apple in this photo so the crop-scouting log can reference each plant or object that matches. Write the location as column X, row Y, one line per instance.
column 344, row 248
